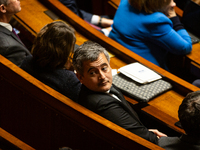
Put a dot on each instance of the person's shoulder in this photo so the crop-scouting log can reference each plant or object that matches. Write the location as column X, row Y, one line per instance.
column 158, row 23
column 27, row 60
column 89, row 95
column 4, row 33
column 70, row 73
column 4, row 36
column 91, row 99
column 158, row 17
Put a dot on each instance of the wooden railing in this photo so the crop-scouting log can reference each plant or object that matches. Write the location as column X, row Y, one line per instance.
column 10, row 142
column 45, row 119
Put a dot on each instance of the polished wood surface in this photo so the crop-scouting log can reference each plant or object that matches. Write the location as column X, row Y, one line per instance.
column 166, row 104
column 194, row 55
column 114, row 3
column 33, row 18
column 12, row 142
column 46, row 119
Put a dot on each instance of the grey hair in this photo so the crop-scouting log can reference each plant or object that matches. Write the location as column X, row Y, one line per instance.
column 88, row 51
column 5, row 2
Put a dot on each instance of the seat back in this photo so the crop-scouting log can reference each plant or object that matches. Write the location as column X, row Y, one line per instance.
column 45, row 119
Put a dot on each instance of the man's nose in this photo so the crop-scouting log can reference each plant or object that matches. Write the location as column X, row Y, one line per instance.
column 101, row 75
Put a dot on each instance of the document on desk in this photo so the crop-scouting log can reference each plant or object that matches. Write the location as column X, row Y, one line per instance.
column 139, row 73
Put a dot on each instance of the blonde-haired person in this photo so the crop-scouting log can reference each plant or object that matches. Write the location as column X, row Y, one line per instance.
column 51, row 59
column 151, row 29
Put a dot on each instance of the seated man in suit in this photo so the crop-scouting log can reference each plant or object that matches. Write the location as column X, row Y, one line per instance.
column 91, row 62
column 95, row 20
column 11, row 46
column 189, row 115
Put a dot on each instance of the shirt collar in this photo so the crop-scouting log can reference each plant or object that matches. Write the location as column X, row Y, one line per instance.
column 6, row 25
column 108, row 91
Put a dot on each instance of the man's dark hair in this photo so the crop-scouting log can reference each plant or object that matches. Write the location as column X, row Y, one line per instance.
column 189, row 114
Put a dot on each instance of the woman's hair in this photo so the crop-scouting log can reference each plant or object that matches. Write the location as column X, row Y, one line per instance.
column 53, row 45
column 149, row 6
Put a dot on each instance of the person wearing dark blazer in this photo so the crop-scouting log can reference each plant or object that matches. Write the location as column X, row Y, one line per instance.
column 11, row 46
column 101, row 23
column 189, row 116
column 72, row 5
column 91, row 62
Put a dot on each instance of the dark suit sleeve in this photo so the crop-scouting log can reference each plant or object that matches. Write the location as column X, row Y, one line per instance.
column 114, row 112
column 72, row 5
column 86, row 16
column 13, row 50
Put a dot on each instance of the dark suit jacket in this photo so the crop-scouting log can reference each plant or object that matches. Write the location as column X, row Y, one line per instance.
column 72, row 5
column 62, row 80
column 11, row 46
column 118, row 112
column 185, row 142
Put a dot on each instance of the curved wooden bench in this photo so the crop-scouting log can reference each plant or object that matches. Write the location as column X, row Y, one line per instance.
column 46, row 119
column 8, row 141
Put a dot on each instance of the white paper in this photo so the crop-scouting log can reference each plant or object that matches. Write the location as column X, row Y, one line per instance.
column 139, row 73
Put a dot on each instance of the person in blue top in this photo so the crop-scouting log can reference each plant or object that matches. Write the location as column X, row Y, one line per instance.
column 151, row 29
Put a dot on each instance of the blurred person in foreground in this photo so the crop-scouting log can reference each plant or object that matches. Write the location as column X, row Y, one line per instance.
column 189, row 116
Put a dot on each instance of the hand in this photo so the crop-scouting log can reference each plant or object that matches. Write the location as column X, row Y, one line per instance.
column 106, row 22
column 158, row 133
column 171, row 13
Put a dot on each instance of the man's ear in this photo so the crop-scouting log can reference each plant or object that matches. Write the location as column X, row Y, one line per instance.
column 80, row 77
column 2, row 8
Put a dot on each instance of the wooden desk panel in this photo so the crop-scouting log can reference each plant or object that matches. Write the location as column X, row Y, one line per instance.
column 168, row 103
column 195, row 54
column 114, row 3
column 46, row 119
column 12, row 141
column 33, row 18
